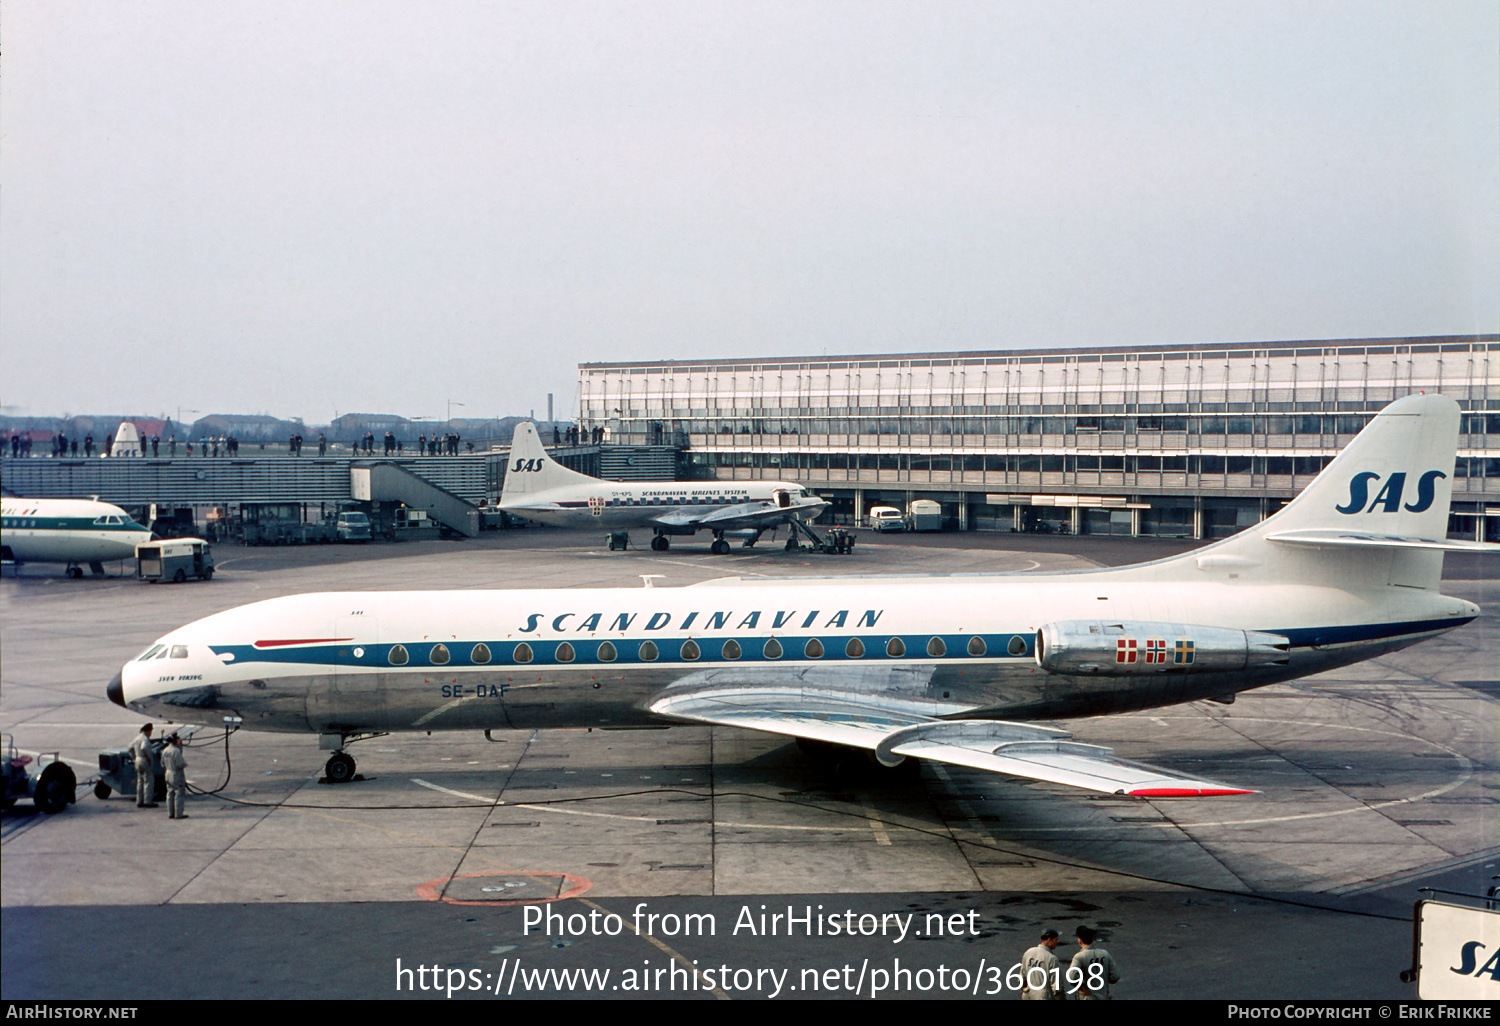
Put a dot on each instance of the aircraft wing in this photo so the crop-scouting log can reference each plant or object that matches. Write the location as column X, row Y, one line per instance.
column 894, row 730
column 743, row 515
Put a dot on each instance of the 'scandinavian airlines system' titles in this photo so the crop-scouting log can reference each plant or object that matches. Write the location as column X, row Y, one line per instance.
column 955, row 669
column 539, row 488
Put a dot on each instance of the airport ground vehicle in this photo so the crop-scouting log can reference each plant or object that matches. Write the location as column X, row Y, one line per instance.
column 353, row 526
column 886, row 518
column 924, row 515
column 117, row 767
column 175, row 559
column 48, row 781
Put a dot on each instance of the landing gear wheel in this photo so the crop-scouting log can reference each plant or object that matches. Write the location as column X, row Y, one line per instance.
column 721, row 547
column 340, row 768
column 75, row 572
column 660, row 543
column 102, row 791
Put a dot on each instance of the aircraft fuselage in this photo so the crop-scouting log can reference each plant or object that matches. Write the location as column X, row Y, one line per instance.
column 947, row 647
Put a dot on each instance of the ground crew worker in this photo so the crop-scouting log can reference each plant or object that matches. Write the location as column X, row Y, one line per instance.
column 1095, row 982
column 1041, row 970
column 176, row 766
column 145, row 769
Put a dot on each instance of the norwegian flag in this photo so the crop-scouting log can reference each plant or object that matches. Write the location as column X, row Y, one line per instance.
column 1156, row 650
column 1125, row 650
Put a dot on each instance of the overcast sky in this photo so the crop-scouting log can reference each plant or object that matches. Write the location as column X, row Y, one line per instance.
column 309, row 208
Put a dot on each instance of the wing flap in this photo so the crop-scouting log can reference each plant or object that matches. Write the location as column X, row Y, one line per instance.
column 893, row 733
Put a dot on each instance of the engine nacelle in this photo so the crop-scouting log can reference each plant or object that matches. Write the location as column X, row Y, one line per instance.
column 1139, row 647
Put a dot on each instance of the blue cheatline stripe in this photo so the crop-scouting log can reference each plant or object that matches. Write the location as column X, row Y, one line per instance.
column 18, row 523
column 1307, row 637
column 752, row 648
column 669, row 651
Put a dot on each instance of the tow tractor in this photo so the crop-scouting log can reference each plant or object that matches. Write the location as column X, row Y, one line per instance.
column 48, row 781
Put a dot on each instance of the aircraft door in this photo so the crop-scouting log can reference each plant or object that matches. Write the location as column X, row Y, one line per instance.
column 350, row 698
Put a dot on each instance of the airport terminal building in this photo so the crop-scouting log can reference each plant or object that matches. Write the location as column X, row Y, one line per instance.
column 1181, row 440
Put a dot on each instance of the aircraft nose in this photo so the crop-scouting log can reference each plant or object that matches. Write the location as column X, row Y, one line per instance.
column 116, row 690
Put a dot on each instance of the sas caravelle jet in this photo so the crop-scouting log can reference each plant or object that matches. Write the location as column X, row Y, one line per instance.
column 539, row 488
column 955, row 669
column 71, row 531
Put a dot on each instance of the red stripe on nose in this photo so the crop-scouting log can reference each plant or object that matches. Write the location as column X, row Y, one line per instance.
column 297, row 641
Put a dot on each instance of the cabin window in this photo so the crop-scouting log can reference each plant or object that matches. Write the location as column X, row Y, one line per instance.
column 731, row 649
column 607, row 652
column 522, row 653
column 179, row 651
column 565, row 653
column 398, row 655
column 439, row 655
column 855, row 648
column 976, row 646
column 690, row 649
column 480, row 654
column 648, row 651
column 772, row 649
column 149, row 653
column 895, row 648
column 936, row 648
column 813, row 649
column 1017, row 646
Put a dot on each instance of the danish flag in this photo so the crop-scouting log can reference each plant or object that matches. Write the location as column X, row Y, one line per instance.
column 1125, row 650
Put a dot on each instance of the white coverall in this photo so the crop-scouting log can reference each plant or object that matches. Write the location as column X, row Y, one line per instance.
column 175, row 764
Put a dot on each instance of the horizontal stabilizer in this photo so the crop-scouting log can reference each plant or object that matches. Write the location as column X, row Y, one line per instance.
column 893, row 733
column 1331, row 538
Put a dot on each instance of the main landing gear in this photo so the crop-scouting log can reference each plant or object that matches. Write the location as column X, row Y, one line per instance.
column 720, row 546
column 661, row 543
column 76, row 572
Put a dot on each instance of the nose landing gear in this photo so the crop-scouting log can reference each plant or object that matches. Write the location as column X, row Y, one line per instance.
column 340, row 767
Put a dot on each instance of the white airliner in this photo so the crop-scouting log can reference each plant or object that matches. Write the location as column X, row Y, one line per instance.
column 539, row 488
column 954, row 669
column 71, row 531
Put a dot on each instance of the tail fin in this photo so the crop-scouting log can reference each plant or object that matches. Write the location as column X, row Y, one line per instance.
column 1380, row 508
column 531, row 471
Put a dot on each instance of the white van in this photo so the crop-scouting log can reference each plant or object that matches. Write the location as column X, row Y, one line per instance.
column 174, row 559
column 886, row 518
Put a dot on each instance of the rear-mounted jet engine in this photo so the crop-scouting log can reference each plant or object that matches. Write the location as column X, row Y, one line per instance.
column 1111, row 649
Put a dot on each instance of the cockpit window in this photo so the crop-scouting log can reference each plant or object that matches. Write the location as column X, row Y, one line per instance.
column 179, row 651
column 150, row 652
